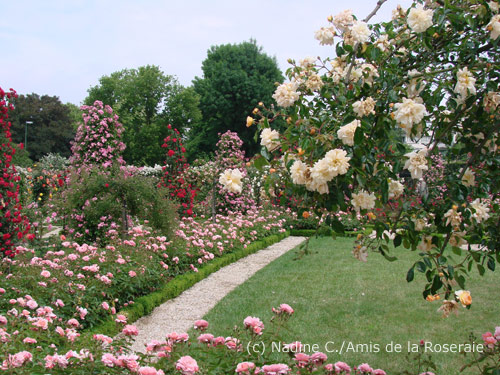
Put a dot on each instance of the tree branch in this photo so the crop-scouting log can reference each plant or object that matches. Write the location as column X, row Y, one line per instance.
column 374, row 11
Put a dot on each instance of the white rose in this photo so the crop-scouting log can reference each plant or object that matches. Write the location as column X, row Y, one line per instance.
column 270, row 139
column 420, row 19
column 346, row 132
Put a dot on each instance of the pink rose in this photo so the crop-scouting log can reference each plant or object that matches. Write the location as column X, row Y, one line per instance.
column 379, row 372
column 342, row 366
column 108, row 359
column 149, row 371
column 187, row 365
column 254, row 323
column 73, row 323
column 45, row 273
column 364, row 367
column 302, row 359
column 130, row 330
column 206, row 338
column 318, row 358
column 201, row 325
column 245, row 367
column 277, row 369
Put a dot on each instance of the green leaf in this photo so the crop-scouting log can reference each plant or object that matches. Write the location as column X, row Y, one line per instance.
column 461, row 281
column 436, row 284
column 339, row 50
column 421, row 267
column 397, row 240
column 410, row 275
column 451, row 271
column 260, row 162
column 481, row 269
column 491, row 264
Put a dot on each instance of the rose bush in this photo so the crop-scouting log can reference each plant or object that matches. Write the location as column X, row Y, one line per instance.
column 429, row 75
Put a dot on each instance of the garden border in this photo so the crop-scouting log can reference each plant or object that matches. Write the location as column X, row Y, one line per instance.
column 146, row 304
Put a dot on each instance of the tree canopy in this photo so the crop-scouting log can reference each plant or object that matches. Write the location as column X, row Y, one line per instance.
column 146, row 100
column 46, row 124
column 236, row 77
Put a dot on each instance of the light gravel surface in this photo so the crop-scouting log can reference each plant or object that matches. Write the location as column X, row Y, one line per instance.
column 179, row 314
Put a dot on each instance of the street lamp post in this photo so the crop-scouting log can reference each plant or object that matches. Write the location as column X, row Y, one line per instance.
column 26, row 134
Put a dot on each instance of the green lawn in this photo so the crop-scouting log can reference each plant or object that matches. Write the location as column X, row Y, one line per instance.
column 338, row 298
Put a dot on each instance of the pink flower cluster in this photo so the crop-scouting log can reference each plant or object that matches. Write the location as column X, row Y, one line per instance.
column 98, row 139
column 492, row 339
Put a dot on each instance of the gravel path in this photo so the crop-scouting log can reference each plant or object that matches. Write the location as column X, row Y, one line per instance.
column 179, row 314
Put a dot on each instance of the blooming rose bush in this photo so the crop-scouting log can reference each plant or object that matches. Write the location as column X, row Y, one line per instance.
column 430, row 75
column 42, row 342
column 13, row 224
column 174, row 178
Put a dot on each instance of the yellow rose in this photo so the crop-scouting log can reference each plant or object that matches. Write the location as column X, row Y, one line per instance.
column 464, row 297
column 249, row 121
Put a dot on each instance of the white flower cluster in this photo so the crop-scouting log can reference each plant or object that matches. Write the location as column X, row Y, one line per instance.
column 420, row 19
column 230, row 180
column 344, row 24
column 417, row 163
column 286, row 94
column 270, row 139
column 409, row 113
column 335, row 162
column 465, row 84
column 481, row 210
column 396, row 188
column 363, row 200
column 364, row 107
column 325, row 35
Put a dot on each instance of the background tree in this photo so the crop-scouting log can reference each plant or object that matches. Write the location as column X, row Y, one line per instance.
column 51, row 129
column 236, row 77
column 146, row 100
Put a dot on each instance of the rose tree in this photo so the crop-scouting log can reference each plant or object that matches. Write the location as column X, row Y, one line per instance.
column 430, row 75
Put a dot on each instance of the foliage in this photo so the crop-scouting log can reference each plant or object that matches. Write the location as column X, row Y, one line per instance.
column 53, row 162
column 107, row 202
column 145, row 99
column 235, row 78
column 21, row 156
column 179, row 189
column 431, row 72
column 13, row 224
column 51, row 129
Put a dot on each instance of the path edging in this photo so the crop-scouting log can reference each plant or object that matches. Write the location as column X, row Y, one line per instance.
column 146, row 304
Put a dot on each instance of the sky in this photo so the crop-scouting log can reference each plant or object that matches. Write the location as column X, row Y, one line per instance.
column 62, row 47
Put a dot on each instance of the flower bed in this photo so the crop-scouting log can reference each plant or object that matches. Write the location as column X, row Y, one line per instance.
column 76, row 286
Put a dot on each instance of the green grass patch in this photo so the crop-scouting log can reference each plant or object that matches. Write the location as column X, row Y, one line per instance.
column 340, row 299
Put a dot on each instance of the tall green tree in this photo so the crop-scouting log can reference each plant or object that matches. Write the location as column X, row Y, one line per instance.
column 146, row 100
column 45, row 122
column 236, row 77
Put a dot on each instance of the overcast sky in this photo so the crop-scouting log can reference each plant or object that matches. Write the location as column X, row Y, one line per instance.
column 63, row 47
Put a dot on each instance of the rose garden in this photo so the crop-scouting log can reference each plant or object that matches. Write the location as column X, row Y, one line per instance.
column 383, row 154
